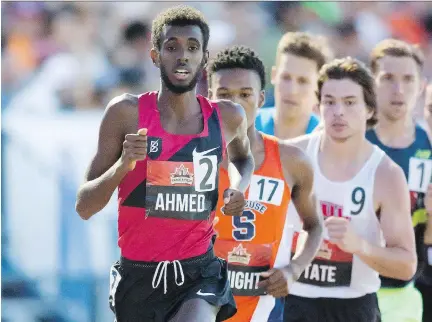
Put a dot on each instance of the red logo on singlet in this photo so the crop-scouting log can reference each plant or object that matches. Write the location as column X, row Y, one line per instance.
column 330, row 209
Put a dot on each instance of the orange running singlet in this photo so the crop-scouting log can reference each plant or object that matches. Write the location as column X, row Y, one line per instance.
column 250, row 243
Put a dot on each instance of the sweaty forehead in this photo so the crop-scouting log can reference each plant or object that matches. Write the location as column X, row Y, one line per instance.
column 340, row 88
column 297, row 65
column 236, row 79
column 182, row 33
column 397, row 65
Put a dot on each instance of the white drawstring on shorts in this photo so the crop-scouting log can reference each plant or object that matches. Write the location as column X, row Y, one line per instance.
column 163, row 266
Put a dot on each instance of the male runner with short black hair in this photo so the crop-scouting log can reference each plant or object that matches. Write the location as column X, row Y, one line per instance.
column 162, row 150
column 257, row 243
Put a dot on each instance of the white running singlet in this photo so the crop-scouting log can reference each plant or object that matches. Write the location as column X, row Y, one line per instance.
column 335, row 273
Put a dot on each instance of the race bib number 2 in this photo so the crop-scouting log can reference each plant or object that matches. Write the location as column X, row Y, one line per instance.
column 420, row 173
column 205, row 168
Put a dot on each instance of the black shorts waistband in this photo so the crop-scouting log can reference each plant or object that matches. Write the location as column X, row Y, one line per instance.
column 346, row 301
column 188, row 261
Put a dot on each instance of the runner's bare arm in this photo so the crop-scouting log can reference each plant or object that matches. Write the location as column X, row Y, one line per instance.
column 241, row 162
column 298, row 169
column 105, row 171
column 398, row 258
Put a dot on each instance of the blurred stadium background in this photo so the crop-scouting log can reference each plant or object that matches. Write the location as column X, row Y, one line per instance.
column 61, row 63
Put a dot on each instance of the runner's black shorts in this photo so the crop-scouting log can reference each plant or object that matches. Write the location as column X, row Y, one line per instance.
column 133, row 297
column 361, row 309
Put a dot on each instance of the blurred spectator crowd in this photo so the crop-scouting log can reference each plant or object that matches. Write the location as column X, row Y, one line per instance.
column 78, row 55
